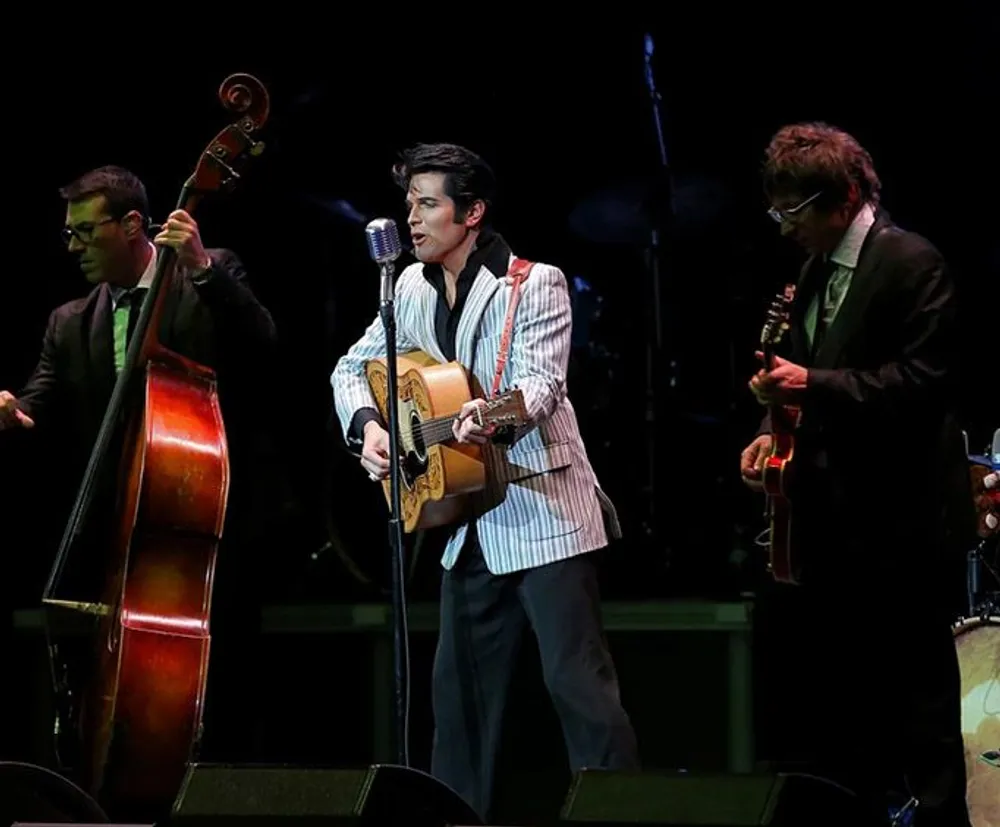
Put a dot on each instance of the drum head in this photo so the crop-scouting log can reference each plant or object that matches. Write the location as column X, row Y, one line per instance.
column 978, row 644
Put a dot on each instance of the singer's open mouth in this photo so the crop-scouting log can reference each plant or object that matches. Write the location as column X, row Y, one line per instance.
column 418, row 238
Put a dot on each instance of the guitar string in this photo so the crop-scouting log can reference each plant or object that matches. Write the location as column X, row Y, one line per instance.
column 434, row 431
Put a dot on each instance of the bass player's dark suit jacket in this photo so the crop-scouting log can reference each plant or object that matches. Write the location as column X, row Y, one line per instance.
column 220, row 324
column 883, row 493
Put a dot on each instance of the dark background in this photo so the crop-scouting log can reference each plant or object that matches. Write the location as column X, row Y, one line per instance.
column 562, row 117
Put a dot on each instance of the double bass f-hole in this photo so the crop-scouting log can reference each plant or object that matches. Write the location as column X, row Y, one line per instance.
column 141, row 706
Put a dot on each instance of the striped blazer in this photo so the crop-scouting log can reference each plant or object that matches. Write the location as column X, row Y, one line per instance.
column 542, row 502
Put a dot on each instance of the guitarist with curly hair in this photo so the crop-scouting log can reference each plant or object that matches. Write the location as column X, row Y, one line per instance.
column 881, row 502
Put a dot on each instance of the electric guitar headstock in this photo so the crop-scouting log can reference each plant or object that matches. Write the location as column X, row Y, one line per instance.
column 776, row 324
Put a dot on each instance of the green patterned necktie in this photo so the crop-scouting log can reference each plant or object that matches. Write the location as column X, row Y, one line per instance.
column 127, row 309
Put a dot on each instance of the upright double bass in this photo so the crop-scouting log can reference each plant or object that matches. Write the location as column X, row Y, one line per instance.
column 139, row 713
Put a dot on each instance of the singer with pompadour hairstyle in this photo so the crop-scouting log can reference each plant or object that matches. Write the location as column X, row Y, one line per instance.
column 528, row 560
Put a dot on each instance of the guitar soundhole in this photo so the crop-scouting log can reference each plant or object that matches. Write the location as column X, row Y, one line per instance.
column 414, row 456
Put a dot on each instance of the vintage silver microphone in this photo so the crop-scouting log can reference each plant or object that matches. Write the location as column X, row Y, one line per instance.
column 384, row 248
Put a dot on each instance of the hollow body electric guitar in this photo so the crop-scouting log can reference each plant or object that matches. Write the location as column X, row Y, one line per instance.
column 779, row 467
column 437, row 474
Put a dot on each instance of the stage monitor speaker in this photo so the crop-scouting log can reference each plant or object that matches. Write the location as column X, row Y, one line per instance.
column 33, row 794
column 218, row 795
column 607, row 798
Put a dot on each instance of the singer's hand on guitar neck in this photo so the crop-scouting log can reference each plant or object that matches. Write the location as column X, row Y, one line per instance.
column 781, row 386
column 375, row 451
column 466, row 429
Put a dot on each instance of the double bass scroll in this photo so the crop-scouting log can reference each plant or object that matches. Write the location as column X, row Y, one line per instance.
column 139, row 716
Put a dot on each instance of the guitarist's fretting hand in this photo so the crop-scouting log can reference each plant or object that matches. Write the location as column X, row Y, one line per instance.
column 781, row 386
column 375, row 451
column 752, row 462
column 10, row 415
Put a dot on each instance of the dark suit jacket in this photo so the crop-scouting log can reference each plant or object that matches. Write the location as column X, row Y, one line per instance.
column 884, row 482
column 220, row 324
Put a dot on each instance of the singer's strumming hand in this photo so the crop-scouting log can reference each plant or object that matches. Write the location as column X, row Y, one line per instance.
column 466, row 428
column 375, row 451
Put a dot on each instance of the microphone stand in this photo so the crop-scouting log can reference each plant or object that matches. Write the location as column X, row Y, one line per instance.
column 399, row 623
column 662, row 195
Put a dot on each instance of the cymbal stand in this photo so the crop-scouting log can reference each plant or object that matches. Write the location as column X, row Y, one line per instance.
column 981, row 602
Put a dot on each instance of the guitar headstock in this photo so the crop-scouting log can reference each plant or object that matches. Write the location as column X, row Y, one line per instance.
column 506, row 410
column 777, row 321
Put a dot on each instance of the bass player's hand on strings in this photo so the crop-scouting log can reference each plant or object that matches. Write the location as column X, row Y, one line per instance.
column 181, row 233
column 10, row 415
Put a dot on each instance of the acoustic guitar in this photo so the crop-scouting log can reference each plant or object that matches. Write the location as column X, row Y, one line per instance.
column 437, row 474
column 778, row 471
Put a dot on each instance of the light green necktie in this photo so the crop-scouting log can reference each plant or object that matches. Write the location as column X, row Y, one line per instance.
column 121, row 317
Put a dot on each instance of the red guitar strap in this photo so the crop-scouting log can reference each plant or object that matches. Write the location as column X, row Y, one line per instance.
column 519, row 270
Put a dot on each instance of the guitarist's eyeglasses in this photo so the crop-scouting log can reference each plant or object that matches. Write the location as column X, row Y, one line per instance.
column 781, row 216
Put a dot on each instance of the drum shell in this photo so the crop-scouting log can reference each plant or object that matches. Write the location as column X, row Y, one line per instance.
column 977, row 643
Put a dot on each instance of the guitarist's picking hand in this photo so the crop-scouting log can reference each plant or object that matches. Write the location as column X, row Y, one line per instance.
column 375, row 451
column 752, row 462
column 781, row 386
column 466, row 429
